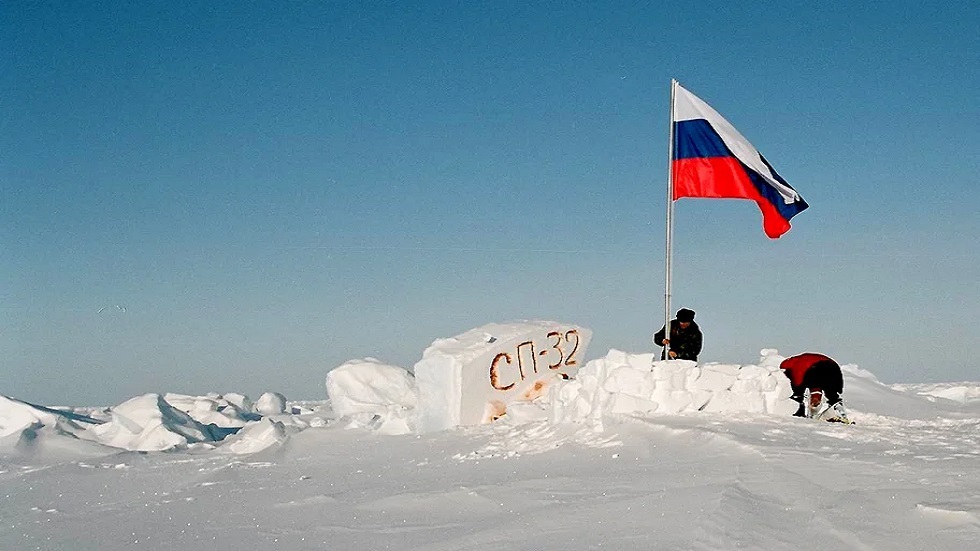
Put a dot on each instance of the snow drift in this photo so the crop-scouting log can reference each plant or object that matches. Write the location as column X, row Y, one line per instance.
column 371, row 395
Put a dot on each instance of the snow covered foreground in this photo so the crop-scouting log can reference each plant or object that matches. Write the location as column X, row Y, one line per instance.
column 615, row 472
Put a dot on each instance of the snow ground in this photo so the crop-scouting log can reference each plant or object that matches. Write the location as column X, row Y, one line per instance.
column 905, row 476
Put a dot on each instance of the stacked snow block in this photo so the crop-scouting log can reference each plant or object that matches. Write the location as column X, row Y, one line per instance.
column 622, row 383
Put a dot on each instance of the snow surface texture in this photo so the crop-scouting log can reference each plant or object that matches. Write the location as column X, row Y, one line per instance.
column 622, row 457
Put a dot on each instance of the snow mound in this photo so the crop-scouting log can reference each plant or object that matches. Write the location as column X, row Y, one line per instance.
column 851, row 369
column 16, row 417
column 213, row 409
column 149, row 423
column 373, row 394
column 257, row 436
column 868, row 395
column 270, row 403
column 963, row 393
column 26, row 428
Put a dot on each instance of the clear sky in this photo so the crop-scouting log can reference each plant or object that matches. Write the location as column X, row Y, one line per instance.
column 241, row 196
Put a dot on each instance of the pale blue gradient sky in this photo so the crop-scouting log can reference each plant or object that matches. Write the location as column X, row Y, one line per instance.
column 267, row 190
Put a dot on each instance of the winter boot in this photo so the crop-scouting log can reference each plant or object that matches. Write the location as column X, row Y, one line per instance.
column 836, row 414
column 813, row 403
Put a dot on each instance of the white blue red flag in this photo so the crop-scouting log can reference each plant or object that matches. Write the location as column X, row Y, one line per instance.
column 712, row 159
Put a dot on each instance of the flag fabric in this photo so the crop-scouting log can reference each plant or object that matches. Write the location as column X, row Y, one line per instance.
column 712, row 159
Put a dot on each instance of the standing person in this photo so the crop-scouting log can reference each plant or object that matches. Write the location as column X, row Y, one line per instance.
column 685, row 337
column 820, row 375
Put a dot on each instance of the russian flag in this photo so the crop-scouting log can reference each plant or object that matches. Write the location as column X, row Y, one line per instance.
column 712, row 159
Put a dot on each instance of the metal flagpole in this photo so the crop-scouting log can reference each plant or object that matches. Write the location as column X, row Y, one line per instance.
column 668, row 263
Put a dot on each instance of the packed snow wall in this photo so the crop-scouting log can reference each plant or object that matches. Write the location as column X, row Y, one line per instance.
column 623, row 383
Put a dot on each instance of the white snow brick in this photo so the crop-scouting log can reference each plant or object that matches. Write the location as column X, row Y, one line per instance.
column 693, row 374
column 729, row 369
column 672, row 401
column 699, row 398
column 664, row 370
column 626, row 404
column 779, row 403
column 752, row 372
column 769, row 357
column 642, row 362
column 731, row 401
column 714, row 380
column 747, row 386
column 617, row 357
column 628, row 381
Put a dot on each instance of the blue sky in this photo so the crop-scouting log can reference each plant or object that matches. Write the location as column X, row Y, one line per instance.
column 266, row 190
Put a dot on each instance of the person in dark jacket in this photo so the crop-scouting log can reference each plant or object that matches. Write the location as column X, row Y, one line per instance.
column 685, row 337
column 820, row 375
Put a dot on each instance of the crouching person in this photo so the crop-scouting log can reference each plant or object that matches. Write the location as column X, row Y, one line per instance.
column 814, row 377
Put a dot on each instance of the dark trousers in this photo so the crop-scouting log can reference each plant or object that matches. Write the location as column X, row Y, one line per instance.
column 825, row 376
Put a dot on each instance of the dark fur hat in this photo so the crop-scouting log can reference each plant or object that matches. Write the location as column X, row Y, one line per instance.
column 685, row 315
